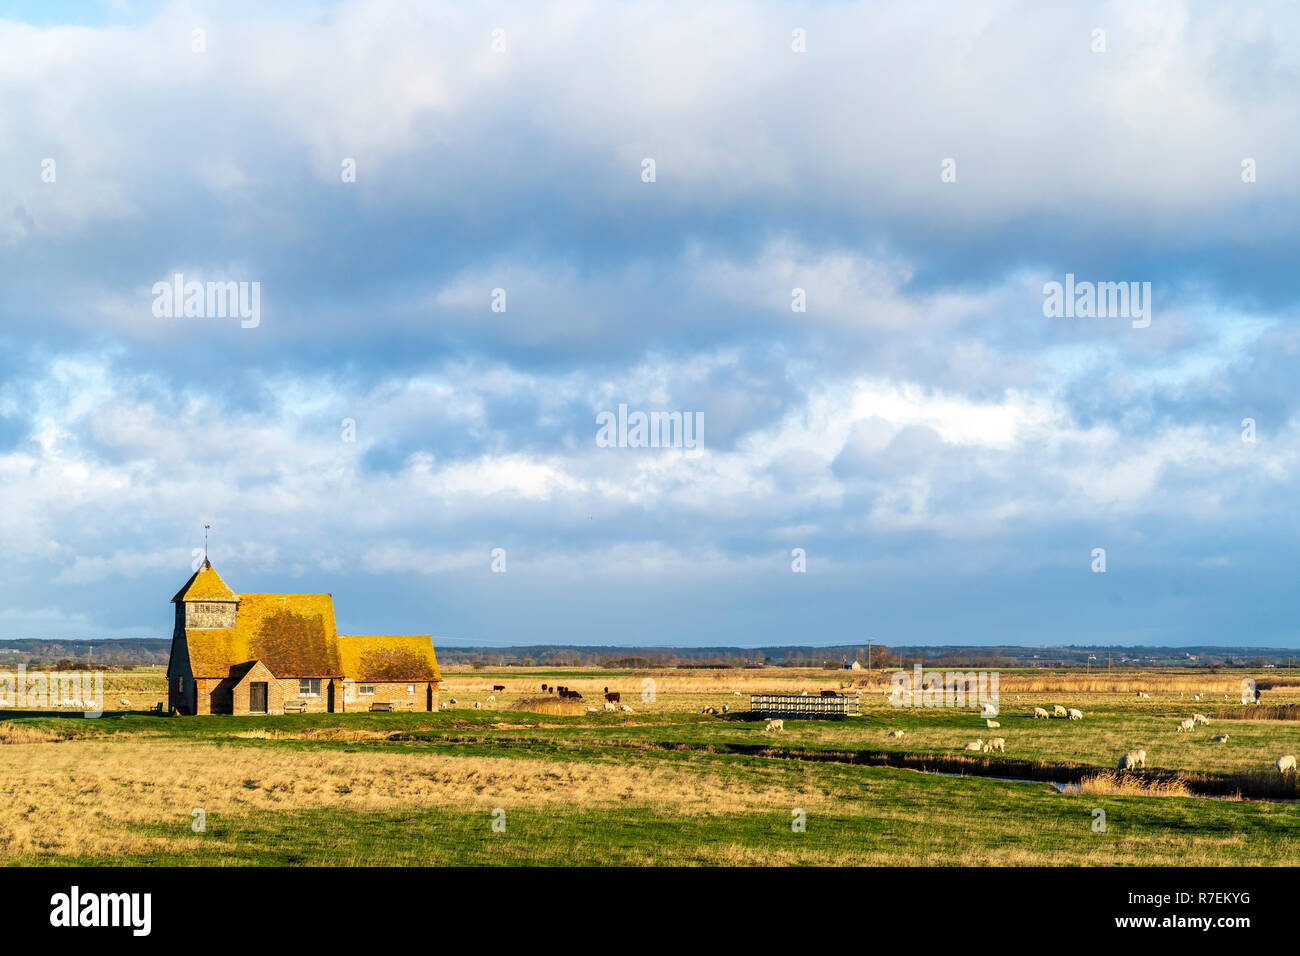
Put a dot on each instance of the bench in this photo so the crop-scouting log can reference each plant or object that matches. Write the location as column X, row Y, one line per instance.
column 296, row 706
column 381, row 705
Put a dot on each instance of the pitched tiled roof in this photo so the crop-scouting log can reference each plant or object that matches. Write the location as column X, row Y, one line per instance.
column 205, row 585
column 389, row 657
column 294, row 635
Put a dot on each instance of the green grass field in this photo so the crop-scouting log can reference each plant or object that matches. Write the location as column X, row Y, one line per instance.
column 665, row 784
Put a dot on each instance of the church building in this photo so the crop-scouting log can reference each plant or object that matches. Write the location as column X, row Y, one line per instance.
column 282, row 653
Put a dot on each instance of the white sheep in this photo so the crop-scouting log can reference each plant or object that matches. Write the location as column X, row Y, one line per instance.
column 124, row 702
column 1133, row 759
column 992, row 724
column 1201, row 719
column 609, row 706
column 1039, row 712
column 1286, row 763
column 896, row 734
column 773, row 726
column 997, row 743
column 1220, row 739
column 1058, row 710
column 478, row 705
column 492, row 699
column 592, row 710
column 1144, row 695
column 1076, row 714
column 1196, row 697
column 737, row 693
column 445, row 706
column 975, row 745
column 626, row 709
column 1187, row 724
column 988, row 710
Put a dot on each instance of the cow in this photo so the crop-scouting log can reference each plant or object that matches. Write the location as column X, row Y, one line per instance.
column 829, row 693
column 498, row 686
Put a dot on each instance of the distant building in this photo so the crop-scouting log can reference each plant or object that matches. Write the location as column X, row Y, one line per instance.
column 271, row 653
column 852, row 666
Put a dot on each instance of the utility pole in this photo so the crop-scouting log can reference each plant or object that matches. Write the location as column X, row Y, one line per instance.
column 869, row 657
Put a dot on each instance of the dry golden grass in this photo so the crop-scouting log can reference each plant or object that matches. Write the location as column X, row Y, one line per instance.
column 78, row 797
column 550, row 705
column 1113, row 783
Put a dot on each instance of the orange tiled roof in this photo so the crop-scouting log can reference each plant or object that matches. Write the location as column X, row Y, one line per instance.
column 389, row 657
column 294, row 635
column 205, row 584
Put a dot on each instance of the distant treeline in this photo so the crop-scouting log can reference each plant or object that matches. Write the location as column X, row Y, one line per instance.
column 148, row 650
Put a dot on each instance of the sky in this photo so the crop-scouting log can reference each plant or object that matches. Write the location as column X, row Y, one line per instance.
column 462, row 260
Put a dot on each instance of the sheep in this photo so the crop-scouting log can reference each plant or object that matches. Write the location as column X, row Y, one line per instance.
column 1220, row 739
column 1039, row 712
column 124, row 702
column 738, row 693
column 591, row 710
column 1145, row 696
column 609, row 706
column 974, row 745
column 492, row 699
column 726, row 708
column 707, row 710
column 1196, row 697
column 478, row 705
column 626, row 709
column 1058, row 711
column 896, row 734
column 996, row 743
column 1133, row 759
column 773, row 726
column 1075, row 714
column 992, row 724
column 1286, row 763
column 1187, row 724
column 445, row 706
column 1201, row 719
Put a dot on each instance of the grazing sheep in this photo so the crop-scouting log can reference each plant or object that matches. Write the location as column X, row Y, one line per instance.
column 451, row 700
column 1220, row 739
column 609, row 706
column 992, row 724
column 124, row 702
column 773, row 726
column 1286, row 763
column 1075, row 714
column 492, row 699
column 896, row 734
column 738, row 693
column 1039, row 712
column 1133, row 759
column 1201, row 719
column 591, row 710
column 974, row 745
column 1058, row 710
column 478, row 705
column 707, row 710
column 1187, row 724
column 445, row 706
column 626, row 709
column 1196, row 697
column 996, row 743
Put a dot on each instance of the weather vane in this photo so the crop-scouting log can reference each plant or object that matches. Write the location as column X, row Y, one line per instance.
column 205, row 542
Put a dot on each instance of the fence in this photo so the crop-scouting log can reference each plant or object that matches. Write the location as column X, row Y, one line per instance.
column 797, row 706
